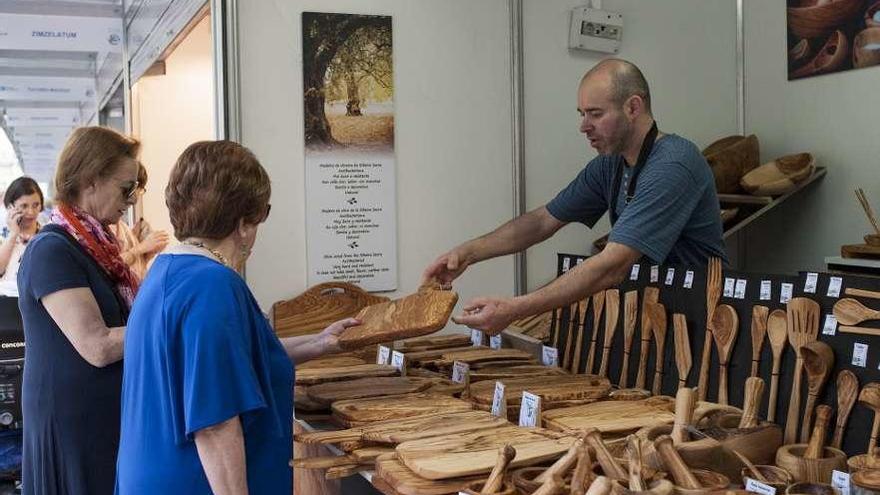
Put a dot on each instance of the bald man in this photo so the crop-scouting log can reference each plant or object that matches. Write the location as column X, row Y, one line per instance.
column 657, row 188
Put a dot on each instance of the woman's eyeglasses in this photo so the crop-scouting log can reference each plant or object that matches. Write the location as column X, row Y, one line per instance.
column 130, row 190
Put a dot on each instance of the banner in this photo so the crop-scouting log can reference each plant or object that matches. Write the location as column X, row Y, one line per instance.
column 21, row 117
column 17, row 88
column 60, row 33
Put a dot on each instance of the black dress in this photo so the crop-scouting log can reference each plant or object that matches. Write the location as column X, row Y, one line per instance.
column 70, row 408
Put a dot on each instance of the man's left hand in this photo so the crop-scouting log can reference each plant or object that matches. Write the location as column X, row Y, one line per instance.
column 488, row 314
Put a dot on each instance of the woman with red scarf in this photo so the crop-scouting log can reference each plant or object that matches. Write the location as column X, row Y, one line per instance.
column 75, row 293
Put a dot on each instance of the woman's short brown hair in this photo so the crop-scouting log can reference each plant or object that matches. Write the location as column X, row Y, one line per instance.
column 213, row 186
column 91, row 153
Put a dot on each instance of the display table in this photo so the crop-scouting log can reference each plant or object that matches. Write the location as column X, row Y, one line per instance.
column 312, row 481
column 853, row 266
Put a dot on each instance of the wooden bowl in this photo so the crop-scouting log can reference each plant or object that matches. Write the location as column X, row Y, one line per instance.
column 815, row 18
column 865, row 482
column 831, row 57
column 777, row 477
column 791, row 458
column 866, row 47
column 872, row 15
column 477, row 486
column 730, row 158
column 710, row 481
column 862, row 461
column 779, row 176
column 523, row 479
column 811, row 489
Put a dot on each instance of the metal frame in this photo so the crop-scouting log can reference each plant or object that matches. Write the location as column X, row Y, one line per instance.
column 520, row 281
column 227, row 109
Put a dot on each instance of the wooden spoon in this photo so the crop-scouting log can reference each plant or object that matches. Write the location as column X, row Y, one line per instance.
column 777, row 331
column 847, row 391
column 650, row 296
column 751, row 402
column 713, row 293
column 630, row 313
column 674, row 464
column 658, row 322
column 802, row 318
column 851, row 312
column 725, row 325
column 817, row 439
column 598, row 306
column 682, row 348
column 818, row 363
column 759, row 330
column 582, row 323
column 612, row 310
column 569, row 336
column 496, row 477
column 870, row 398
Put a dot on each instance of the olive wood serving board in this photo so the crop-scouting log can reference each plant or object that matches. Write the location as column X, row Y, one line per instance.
column 327, row 393
column 331, row 362
column 405, row 482
column 549, row 388
column 359, row 412
column 433, row 342
column 483, row 354
column 314, row 376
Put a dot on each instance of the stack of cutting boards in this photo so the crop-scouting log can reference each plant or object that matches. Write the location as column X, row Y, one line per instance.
column 477, row 357
column 555, row 391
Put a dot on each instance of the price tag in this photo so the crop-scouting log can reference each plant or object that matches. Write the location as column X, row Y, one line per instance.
column 460, row 371
column 566, row 264
column 476, row 338
column 670, row 275
column 495, row 341
column 729, row 284
column 529, row 410
column 397, row 360
column 860, row 355
column 812, row 281
column 655, row 274
column 740, row 291
column 834, row 284
column 830, row 327
column 766, row 286
column 497, row 398
column 382, row 354
column 756, row 486
column 785, row 292
column 688, row 279
column 634, row 273
column 840, row 480
column 550, row 356
column 580, row 261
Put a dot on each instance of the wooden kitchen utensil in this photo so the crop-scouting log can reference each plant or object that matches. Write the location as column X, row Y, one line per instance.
column 713, row 293
column 496, row 477
column 802, row 320
column 581, row 471
column 569, row 335
column 630, row 313
column 598, row 306
column 751, row 402
column 777, row 332
column 817, row 438
column 847, row 391
column 682, row 348
column 634, row 464
column 866, row 206
column 649, row 296
column 818, row 363
column 685, row 402
column 850, row 291
column 674, row 464
column 725, row 326
column 612, row 308
column 849, row 311
column 563, row 464
column 555, row 324
column 759, row 331
column 657, row 313
column 858, row 330
column 609, row 464
column 870, row 398
column 579, row 340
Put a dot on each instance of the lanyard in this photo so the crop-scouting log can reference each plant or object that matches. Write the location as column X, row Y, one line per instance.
column 647, row 145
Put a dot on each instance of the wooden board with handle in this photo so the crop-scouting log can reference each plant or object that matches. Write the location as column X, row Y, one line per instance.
column 429, row 342
column 549, row 388
column 483, row 354
column 359, row 412
column 405, row 482
column 515, row 371
column 314, row 376
column 330, row 392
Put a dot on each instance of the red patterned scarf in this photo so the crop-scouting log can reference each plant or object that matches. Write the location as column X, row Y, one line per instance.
column 101, row 244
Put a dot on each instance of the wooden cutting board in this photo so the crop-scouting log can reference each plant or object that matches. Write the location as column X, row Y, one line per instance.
column 331, row 362
column 424, row 312
column 327, row 393
column 420, row 357
column 613, row 416
column 483, row 354
column 303, row 402
column 405, row 482
column 475, row 453
column 315, row 376
column 549, row 388
column 359, row 412
column 511, row 372
column 434, row 342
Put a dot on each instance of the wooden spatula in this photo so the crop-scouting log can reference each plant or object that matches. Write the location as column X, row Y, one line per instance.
column 818, row 363
column 650, row 295
column 851, row 312
column 579, row 340
column 682, row 348
column 802, row 318
column 759, row 330
column 612, row 310
column 630, row 313
column 657, row 313
column 777, row 331
column 847, row 391
column 725, row 326
column 598, row 306
column 569, row 335
column 713, row 293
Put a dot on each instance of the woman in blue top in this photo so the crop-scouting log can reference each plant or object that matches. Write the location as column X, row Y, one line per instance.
column 207, row 402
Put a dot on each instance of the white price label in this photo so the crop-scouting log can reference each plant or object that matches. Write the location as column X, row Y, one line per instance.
column 550, row 356
column 740, row 291
column 460, row 371
column 670, row 276
column 529, row 409
column 688, row 279
column 766, row 287
column 834, row 285
column 495, row 341
column 860, row 355
column 729, row 284
column 566, row 264
column 497, row 397
column 382, row 354
column 581, row 260
column 785, row 292
column 655, row 274
column 397, row 360
column 840, row 480
column 634, row 273
column 810, row 284
column 476, row 338
column 756, row 486
column 830, row 327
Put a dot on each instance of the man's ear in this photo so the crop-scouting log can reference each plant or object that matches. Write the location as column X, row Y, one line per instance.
column 634, row 106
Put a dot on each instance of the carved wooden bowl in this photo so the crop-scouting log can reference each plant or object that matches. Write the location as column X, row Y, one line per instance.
column 815, row 18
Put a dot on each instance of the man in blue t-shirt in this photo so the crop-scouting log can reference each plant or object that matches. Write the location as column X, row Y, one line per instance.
column 657, row 188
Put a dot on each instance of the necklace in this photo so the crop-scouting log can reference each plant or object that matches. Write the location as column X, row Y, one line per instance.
column 217, row 254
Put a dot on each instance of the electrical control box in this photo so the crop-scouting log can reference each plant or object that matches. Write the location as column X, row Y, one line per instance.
column 595, row 30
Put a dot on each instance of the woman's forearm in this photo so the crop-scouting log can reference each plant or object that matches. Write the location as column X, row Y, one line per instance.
column 6, row 253
column 302, row 348
column 221, row 451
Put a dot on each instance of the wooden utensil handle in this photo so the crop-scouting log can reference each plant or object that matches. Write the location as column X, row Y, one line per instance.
column 553, row 486
column 576, row 363
column 858, row 330
column 685, row 401
column 591, row 354
column 755, row 363
column 643, row 363
column 658, row 381
column 875, row 429
column 794, row 405
column 624, row 370
column 722, row 385
column 703, row 383
column 562, row 465
column 751, row 402
column 862, row 293
column 603, row 367
column 774, row 391
column 581, row 471
column 674, row 464
column 808, row 418
column 496, row 477
column 817, row 439
column 609, row 464
column 682, row 382
column 600, row 486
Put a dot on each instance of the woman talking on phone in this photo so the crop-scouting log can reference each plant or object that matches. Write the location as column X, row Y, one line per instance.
column 24, row 201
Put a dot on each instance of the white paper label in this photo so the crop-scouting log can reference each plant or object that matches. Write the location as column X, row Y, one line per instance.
column 382, row 354
column 840, row 480
column 688, row 279
column 497, row 398
column 634, row 273
column 550, row 356
column 729, row 284
column 834, row 284
column 495, row 341
column 860, row 355
column 528, row 411
column 830, row 327
column 785, row 291
column 460, row 370
column 476, row 338
column 566, row 264
column 812, row 281
column 756, row 486
column 397, row 360
column 670, row 276
column 655, row 274
column 766, row 286
column 740, row 291
column 581, row 260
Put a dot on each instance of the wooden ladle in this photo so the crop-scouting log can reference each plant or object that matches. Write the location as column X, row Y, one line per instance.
column 777, row 331
column 870, row 398
column 847, row 391
column 725, row 325
column 683, row 359
column 851, row 312
column 658, row 322
column 818, row 363
column 612, row 311
column 759, row 331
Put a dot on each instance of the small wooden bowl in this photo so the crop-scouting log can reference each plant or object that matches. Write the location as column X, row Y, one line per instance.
column 506, row 489
column 866, row 47
column 865, row 482
column 523, row 479
column 812, row 19
column 710, row 481
column 777, row 477
column 791, row 458
column 811, row 489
